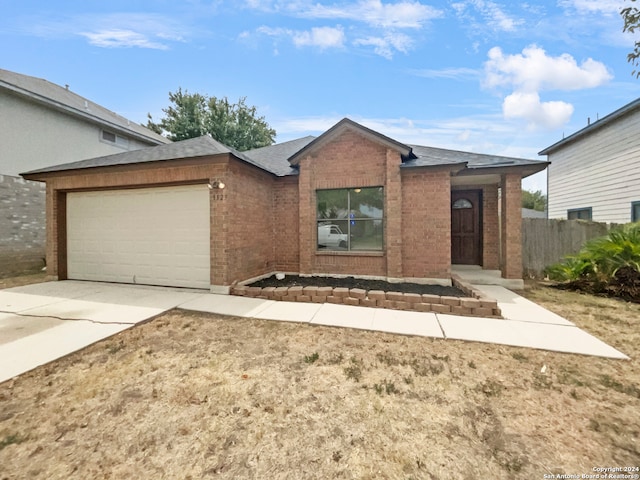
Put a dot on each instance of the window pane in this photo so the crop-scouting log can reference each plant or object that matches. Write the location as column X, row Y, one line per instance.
column 462, row 203
column 333, row 235
column 635, row 212
column 366, row 202
column 332, row 203
column 579, row 214
column 366, row 235
column 108, row 136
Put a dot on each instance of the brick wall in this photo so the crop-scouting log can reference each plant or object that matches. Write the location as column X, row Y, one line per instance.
column 250, row 224
column 417, row 215
column 426, row 223
column 347, row 161
column 284, row 223
column 490, row 228
column 511, row 226
column 22, row 225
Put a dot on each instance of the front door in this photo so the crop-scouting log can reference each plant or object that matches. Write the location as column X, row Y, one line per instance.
column 466, row 234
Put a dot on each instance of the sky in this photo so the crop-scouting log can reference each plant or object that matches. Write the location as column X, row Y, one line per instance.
column 496, row 77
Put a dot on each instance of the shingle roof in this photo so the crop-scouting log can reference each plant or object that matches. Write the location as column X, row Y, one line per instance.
column 431, row 156
column 276, row 159
column 192, row 148
column 60, row 98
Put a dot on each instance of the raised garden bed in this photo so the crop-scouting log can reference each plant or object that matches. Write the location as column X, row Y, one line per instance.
column 461, row 299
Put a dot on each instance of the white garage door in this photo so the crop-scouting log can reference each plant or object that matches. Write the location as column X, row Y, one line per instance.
column 150, row 236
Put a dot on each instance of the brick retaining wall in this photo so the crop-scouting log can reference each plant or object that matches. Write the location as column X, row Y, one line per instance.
column 479, row 305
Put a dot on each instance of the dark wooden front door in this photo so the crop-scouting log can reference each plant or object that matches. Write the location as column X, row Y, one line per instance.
column 466, row 234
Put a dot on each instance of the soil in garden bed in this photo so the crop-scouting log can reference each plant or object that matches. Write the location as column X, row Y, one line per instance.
column 624, row 285
column 351, row 282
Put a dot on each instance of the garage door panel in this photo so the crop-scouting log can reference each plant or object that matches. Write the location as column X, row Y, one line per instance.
column 156, row 236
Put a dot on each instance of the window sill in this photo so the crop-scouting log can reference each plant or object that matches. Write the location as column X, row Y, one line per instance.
column 353, row 253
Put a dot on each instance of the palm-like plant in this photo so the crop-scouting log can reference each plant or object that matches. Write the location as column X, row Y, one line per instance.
column 601, row 258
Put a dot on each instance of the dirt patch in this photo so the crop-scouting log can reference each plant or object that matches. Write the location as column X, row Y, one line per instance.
column 205, row 396
column 352, row 282
column 625, row 284
column 20, row 280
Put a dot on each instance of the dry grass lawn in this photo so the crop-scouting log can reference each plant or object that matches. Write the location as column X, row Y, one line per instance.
column 204, row 396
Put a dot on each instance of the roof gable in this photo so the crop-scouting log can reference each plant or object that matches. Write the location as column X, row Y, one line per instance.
column 342, row 126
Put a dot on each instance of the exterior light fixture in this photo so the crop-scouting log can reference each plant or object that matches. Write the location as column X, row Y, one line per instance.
column 357, row 190
column 216, row 184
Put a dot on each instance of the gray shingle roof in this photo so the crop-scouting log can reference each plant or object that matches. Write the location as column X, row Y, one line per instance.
column 62, row 99
column 275, row 158
column 192, row 148
column 431, row 156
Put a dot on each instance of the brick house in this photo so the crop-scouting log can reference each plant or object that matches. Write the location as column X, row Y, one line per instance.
column 351, row 201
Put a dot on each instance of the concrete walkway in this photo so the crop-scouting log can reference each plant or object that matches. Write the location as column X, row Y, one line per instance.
column 42, row 322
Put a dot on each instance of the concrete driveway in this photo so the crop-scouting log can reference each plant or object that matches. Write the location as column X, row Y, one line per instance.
column 42, row 322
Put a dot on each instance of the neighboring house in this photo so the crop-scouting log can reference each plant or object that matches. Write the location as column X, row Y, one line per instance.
column 43, row 124
column 595, row 173
column 198, row 214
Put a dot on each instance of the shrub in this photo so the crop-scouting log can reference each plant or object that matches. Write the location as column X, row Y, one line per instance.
column 601, row 258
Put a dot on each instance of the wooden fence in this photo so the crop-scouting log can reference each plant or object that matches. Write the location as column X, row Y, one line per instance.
column 547, row 241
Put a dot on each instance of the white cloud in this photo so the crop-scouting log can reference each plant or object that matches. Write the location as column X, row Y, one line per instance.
column 528, row 107
column 121, row 38
column 113, row 30
column 599, row 7
column 321, row 37
column 534, row 70
column 405, row 14
column 380, row 22
column 387, row 45
column 493, row 15
column 453, row 73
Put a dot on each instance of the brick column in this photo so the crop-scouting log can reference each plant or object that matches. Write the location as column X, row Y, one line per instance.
column 511, row 226
column 307, row 221
column 490, row 228
column 219, row 233
column 393, row 215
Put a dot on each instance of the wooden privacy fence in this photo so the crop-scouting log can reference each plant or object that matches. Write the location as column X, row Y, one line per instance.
column 547, row 241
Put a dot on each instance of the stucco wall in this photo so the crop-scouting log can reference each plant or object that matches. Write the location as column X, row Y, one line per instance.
column 22, row 225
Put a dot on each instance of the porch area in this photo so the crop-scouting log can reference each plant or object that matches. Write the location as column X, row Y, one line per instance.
column 475, row 275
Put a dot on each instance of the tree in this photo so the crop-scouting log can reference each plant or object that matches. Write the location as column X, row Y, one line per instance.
column 236, row 125
column 631, row 17
column 534, row 200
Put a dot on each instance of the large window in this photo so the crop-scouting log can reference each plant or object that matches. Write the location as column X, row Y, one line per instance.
column 579, row 213
column 350, row 219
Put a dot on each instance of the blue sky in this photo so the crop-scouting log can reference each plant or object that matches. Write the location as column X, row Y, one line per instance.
column 500, row 77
